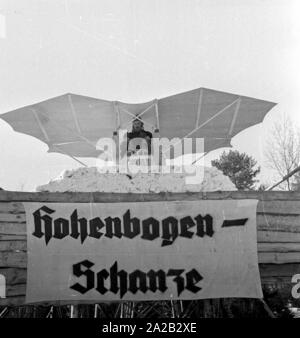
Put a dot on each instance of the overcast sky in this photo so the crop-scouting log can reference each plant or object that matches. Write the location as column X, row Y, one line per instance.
column 134, row 51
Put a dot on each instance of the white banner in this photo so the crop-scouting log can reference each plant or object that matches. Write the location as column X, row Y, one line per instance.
column 142, row 251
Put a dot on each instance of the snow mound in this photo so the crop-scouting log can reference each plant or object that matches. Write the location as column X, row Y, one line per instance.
column 92, row 180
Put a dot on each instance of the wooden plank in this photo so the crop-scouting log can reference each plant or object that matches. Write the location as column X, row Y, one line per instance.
column 269, row 223
column 279, row 207
column 12, row 301
column 262, row 236
column 264, row 223
column 279, row 282
column 282, row 223
column 10, row 259
column 12, row 228
column 12, row 207
column 279, row 257
column 279, row 247
column 12, row 237
column 14, row 275
column 12, row 218
column 286, row 280
column 279, row 270
column 16, row 223
column 13, row 245
column 19, row 259
column 21, row 245
column 16, row 290
column 272, row 207
column 83, row 197
column 277, row 236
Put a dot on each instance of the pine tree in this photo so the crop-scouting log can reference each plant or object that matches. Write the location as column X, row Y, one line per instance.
column 239, row 167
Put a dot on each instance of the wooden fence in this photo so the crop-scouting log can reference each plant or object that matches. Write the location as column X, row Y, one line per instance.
column 278, row 232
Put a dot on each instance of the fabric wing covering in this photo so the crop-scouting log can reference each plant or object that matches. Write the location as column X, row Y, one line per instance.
column 72, row 124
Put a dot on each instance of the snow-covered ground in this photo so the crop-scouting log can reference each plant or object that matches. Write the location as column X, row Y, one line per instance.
column 92, row 180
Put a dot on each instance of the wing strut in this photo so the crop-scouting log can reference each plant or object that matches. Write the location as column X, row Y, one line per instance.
column 54, row 145
column 207, row 121
column 138, row 116
column 235, row 114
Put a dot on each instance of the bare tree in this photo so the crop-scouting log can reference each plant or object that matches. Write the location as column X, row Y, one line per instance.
column 283, row 149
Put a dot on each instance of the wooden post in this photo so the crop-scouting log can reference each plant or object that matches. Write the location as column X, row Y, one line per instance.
column 74, row 313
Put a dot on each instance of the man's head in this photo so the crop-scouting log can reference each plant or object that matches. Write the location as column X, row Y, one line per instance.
column 137, row 125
